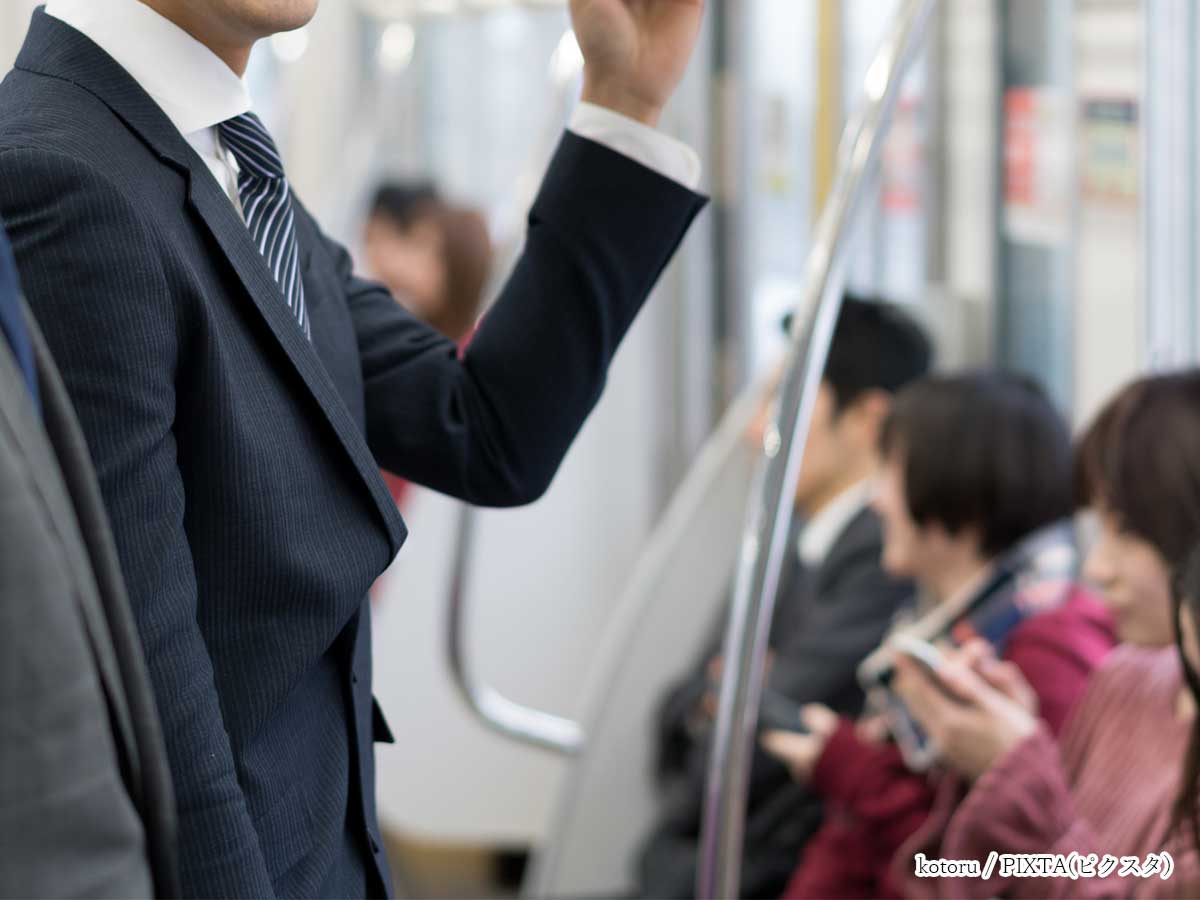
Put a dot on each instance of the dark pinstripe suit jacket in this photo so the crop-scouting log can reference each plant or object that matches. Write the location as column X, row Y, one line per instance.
column 240, row 463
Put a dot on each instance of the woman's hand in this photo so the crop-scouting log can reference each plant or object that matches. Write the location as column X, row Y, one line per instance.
column 1004, row 676
column 635, row 51
column 801, row 752
column 973, row 720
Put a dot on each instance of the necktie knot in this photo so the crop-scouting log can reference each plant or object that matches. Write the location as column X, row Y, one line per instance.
column 251, row 145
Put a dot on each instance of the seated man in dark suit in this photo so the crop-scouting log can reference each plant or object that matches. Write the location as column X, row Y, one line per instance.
column 835, row 603
column 240, row 388
column 85, row 794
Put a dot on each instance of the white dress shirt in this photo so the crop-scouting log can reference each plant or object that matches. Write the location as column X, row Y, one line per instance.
column 198, row 91
column 822, row 531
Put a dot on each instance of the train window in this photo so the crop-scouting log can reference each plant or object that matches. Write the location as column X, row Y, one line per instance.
column 1036, row 257
column 778, row 189
column 804, row 61
column 892, row 231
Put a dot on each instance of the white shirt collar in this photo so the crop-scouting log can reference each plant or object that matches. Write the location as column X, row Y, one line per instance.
column 187, row 80
column 823, row 530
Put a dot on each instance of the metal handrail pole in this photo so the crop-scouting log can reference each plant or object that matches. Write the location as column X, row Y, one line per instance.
column 522, row 723
column 769, row 520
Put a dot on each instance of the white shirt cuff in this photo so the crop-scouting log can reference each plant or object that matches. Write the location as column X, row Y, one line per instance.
column 641, row 143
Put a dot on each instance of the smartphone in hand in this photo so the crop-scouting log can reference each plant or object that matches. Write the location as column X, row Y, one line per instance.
column 779, row 712
column 928, row 657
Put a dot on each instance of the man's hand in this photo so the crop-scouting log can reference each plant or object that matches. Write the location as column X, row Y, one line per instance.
column 635, row 51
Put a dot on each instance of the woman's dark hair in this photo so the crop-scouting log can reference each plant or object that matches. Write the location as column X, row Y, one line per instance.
column 1187, row 603
column 983, row 450
column 405, row 203
column 1140, row 462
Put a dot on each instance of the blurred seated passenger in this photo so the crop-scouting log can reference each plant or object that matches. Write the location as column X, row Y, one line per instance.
column 834, row 606
column 975, row 494
column 435, row 258
column 1110, row 788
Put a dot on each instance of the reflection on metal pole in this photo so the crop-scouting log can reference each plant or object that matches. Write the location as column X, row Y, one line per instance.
column 768, row 521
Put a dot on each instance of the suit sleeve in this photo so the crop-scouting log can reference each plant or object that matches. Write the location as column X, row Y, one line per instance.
column 818, row 664
column 91, row 270
column 493, row 427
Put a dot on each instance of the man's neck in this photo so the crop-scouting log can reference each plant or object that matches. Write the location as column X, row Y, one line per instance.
column 231, row 48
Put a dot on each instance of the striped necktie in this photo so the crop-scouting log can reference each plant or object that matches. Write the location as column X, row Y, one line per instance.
column 267, row 206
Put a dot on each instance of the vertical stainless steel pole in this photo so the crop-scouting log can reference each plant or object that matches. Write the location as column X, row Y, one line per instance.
column 769, row 519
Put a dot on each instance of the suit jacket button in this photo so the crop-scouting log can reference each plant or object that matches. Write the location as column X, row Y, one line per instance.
column 353, row 678
column 374, row 843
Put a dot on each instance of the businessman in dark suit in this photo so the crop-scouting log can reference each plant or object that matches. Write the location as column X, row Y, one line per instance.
column 835, row 604
column 239, row 387
column 85, row 792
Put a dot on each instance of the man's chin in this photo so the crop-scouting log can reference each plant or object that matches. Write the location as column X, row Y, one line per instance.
column 267, row 17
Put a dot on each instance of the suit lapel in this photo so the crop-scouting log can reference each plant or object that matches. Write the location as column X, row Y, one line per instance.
column 27, row 430
column 230, row 232
column 54, row 48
